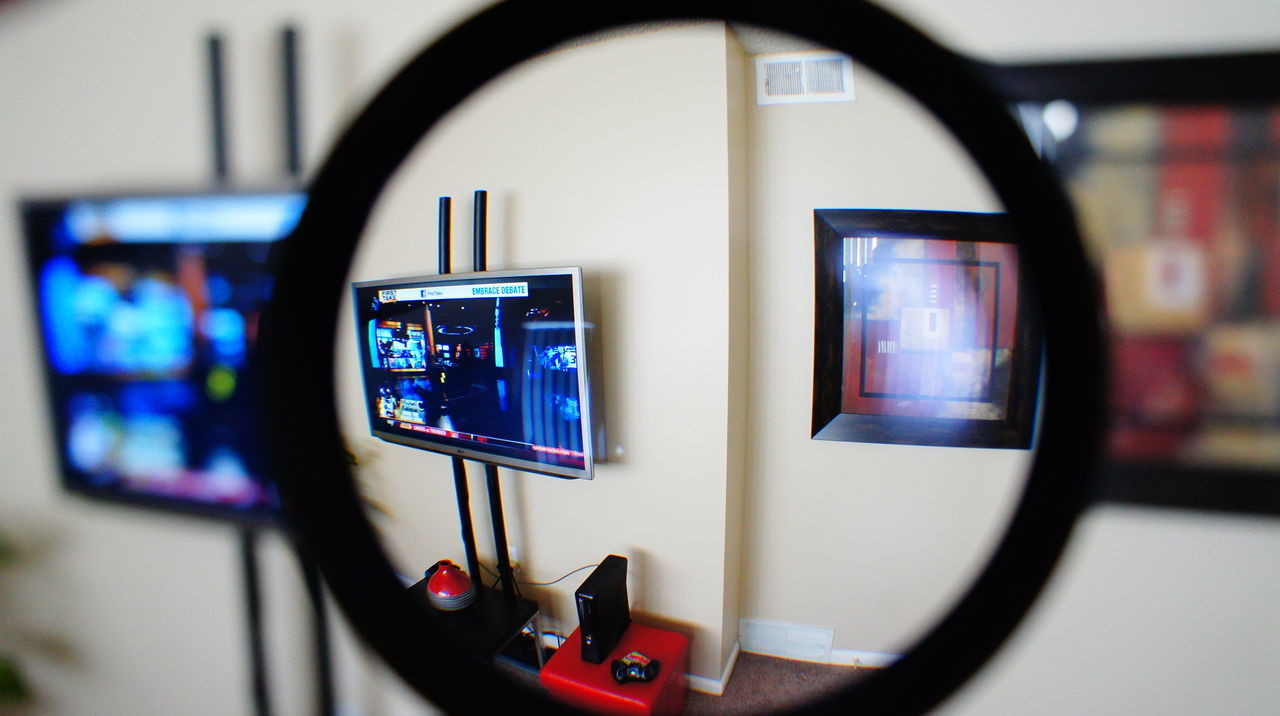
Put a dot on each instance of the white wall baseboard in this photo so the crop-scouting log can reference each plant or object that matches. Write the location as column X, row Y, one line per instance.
column 863, row 659
column 842, row 657
column 803, row 643
column 711, row 686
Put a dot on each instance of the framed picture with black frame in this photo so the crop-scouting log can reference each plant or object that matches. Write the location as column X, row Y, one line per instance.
column 922, row 333
column 1173, row 165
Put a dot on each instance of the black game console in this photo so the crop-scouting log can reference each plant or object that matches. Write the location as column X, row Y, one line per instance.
column 603, row 611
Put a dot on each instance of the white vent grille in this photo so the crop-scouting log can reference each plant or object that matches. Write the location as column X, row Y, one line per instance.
column 793, row 77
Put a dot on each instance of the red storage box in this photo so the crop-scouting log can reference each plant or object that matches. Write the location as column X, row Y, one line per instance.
column 580, row 683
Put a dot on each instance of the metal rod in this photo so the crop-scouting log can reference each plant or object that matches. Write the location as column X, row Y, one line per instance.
column 499, row 529
column 253, row 612
column 326, row 705
column 444, row 261
column 292, row 112
column 248, row 535
column 445, row 265
column 480, row 230
column 464, row 518
column 217, row 109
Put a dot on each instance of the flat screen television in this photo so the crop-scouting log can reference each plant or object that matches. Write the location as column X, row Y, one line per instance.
column 489, row 366
column 147, row 308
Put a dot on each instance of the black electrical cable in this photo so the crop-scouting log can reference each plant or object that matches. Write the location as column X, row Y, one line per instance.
column 492, row 573
column 561, row 579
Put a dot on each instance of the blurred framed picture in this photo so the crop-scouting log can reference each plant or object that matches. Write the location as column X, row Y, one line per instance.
column 1173, row 166
column 922, row 335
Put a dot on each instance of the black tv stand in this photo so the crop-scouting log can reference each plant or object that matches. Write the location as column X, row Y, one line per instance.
column 497, row 617
column 486, row 627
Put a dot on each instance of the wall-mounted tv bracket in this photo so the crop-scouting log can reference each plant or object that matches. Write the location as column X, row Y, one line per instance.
column 249, row 534
column 480, row 234
column 480, row 241
column 459, row 467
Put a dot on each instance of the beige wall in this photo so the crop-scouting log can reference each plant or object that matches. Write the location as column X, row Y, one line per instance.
column 141, row 598
column 879, row 538
column 1150, row 612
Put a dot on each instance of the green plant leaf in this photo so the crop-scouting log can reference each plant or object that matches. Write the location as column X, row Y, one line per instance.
column 7, row 552
column 12, row 686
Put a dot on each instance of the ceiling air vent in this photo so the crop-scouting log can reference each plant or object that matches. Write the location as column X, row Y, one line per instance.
column 794, row 77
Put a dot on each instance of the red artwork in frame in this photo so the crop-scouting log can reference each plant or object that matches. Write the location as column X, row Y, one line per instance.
column 1173, row 164
column 923, row 334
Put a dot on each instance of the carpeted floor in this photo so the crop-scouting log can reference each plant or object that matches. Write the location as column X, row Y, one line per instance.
column 768, row 685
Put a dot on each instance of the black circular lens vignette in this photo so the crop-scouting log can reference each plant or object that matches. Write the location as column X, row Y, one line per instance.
column 318, row 491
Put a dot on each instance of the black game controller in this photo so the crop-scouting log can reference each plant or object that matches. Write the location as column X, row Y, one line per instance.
column 635, row 667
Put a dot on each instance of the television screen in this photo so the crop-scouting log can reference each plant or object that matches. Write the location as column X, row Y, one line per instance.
column 487, row 366
column 148, row 307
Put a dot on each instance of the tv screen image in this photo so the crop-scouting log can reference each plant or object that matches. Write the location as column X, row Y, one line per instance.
column 487, row 366
column 148, row 308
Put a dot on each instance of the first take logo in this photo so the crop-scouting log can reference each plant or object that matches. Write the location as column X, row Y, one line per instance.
column 392, row 295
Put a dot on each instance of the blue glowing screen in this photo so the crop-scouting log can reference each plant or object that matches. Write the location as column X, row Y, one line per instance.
column 148, row 308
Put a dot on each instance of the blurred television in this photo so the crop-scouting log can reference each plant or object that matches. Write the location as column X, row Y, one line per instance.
column 147, row 307
column 489, row 366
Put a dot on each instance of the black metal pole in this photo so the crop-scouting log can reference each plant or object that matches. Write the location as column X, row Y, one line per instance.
column 248, row 535
column 326, row 704
column 292, row 112
column 444, row 234
column 217, row 109
column 464, row 518
column 320, row 642
column 445, row 265
column 253, row 611
column 499, row 529
column 480, row 230
column 480, row 236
